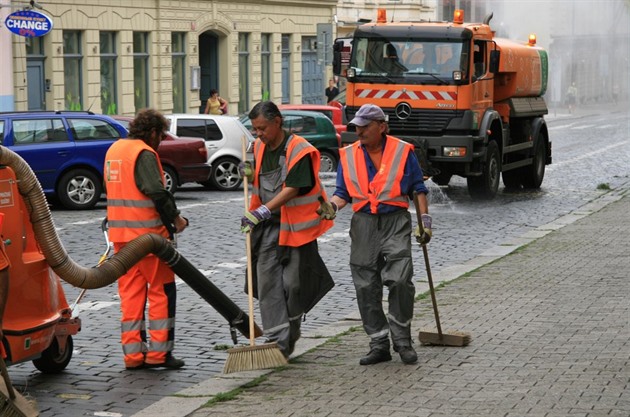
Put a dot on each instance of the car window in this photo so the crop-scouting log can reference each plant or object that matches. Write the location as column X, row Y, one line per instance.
column 199, row 128
column 309, row 125
column 90, row 129
column 38, row 131
column 1, row 132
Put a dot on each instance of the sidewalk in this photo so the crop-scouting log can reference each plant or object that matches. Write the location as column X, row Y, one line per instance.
column 550, row 337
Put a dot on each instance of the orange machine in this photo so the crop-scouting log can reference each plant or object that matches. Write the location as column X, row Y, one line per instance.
column 471, row 103
column 37, row 321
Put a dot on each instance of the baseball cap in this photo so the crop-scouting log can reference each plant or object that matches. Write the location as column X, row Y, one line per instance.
column 368, row 113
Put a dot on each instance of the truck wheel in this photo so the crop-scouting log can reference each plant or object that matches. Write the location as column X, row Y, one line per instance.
column 485, row 186
column 52, row 361
column 170, row 180
column 79, row 189
column 224, row 175
column 533, row 175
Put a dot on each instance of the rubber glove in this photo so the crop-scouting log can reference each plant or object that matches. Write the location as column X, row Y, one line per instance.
column 245, row 170
column 252, row 218
column 424, row 237
column 327, row 209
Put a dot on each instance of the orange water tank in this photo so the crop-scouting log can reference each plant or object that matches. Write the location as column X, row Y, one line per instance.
column 522, row 70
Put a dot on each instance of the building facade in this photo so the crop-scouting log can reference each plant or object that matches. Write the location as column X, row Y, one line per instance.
column 115, row 56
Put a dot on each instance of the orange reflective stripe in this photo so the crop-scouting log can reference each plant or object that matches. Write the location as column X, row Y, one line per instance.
column 385, row 186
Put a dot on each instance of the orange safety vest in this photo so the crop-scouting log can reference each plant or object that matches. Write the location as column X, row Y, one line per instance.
column 299, row 221
column 385, row 186
column 130, row 213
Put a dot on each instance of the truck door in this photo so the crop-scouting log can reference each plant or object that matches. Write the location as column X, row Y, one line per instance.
column 483, row 83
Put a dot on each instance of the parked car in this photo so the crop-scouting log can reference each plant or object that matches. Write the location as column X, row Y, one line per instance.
column 223, row 136
column 314, row 127
column 339, row 101
column 334, row 113
column 183, row 160
column 65, row 149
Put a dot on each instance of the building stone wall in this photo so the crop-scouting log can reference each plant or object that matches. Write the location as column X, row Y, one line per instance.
column 224, row 18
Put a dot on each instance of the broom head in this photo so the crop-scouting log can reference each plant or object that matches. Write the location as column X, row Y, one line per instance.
column 249, row 358
column 457, row 339
column 15, row 407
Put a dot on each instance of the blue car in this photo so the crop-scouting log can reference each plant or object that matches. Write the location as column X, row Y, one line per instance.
column 65, row 149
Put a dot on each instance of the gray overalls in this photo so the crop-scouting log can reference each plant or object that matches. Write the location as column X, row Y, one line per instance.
column 380, row 254
column 278, row 277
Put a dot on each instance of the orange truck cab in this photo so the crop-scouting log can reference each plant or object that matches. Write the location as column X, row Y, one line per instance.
column 470, row 103
column 37, row 324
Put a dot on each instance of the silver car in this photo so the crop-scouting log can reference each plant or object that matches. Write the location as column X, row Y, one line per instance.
column 224, row 136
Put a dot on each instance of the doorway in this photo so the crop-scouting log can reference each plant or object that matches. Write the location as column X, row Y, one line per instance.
column 209, row 62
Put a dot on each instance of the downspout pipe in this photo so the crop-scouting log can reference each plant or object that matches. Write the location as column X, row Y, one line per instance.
column 109, row 271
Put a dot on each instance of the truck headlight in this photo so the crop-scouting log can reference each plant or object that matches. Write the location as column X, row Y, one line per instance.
column 454, row 151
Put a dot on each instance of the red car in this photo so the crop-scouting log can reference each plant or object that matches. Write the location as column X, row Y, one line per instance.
column 183, row 159
column 332, row 112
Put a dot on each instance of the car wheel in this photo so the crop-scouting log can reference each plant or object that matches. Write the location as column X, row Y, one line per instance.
column 328, row 162
column 52, row 361
column 79, row 189
column 442, row 179
column 224, row 175
column 170, row 179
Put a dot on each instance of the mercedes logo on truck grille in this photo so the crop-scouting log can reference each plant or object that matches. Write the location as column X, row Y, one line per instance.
column 403, row 111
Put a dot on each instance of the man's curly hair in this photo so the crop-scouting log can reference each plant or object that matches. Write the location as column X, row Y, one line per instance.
column 146, row 122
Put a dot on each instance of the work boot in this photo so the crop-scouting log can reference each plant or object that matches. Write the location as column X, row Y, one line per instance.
column 171, row 362
column 407, row 354
column 135, row 367
column 375, row 356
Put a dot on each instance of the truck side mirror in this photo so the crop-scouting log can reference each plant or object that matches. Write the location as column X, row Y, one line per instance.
column 336, row 63
column 495, row 56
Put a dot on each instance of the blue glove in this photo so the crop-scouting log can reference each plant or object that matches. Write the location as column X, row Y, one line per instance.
column 245, row 170
column 252, row 218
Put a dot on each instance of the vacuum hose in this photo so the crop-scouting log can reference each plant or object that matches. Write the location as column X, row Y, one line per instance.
column 116, row 266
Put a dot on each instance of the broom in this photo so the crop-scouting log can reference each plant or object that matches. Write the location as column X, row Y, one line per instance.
column 439, row 338
column 248, row 358
column 13, row 404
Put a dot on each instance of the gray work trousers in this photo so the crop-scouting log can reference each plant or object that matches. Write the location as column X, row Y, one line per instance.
column 278, row 290
column 380, row 254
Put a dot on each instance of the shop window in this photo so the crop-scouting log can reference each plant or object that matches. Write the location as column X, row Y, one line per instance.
column 243, row 72
column 141, row 70
column 72, row 70
column 109, row 96
column 178, row 56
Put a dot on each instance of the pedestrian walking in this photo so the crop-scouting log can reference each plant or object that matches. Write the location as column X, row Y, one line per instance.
column 290, row 275
column 572, row 97
column 377, row 175
column 138, row 203
column 331, row 91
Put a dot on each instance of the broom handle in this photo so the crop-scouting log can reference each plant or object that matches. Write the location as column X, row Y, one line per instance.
column 425, row 252
column 248, row 248
column 7, row 380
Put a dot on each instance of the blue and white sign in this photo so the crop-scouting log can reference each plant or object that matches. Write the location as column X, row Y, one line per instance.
column 29, row 23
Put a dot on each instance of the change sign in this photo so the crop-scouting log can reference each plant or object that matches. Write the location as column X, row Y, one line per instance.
column 29, row 23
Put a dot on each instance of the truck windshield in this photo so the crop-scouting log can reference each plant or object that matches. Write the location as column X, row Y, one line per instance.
column 415, row 61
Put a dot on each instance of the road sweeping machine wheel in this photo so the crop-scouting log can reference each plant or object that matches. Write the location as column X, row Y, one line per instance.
column 52, row 360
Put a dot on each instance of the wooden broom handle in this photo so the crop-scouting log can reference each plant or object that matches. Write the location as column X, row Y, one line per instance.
column 425, row 252
column 248, row 248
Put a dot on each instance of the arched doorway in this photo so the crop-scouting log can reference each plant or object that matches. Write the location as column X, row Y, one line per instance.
column 209, row 63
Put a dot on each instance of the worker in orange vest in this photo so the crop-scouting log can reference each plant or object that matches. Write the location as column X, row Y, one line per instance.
column 290, row 275
column 138, row 203
column 378, row 175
